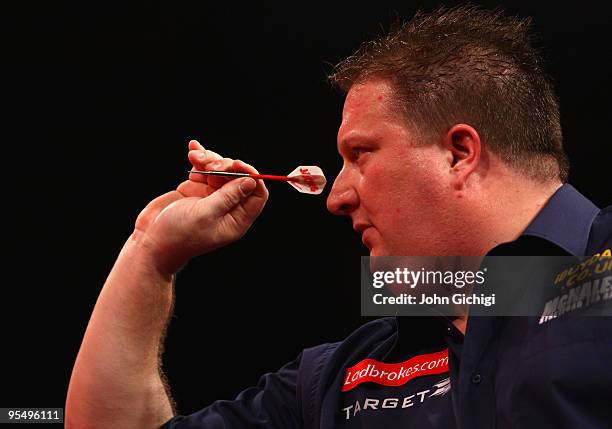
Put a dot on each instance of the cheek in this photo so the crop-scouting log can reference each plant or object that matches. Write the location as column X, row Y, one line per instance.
column 401, row 205
column 378, row 191
column 399, row 193
column 386, row 207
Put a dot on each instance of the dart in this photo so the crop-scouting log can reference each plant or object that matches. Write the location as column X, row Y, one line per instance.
column 307, row 179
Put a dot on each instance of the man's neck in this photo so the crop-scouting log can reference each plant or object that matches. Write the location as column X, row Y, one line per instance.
column 461, row 323
column 509, row 210
column 506, row 217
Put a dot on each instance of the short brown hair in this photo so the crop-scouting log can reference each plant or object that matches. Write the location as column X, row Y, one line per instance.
column 470, row 65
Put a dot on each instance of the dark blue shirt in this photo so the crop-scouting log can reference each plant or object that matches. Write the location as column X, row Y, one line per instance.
column 507, row 372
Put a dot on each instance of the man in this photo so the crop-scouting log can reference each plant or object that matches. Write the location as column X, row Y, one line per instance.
column 451, row 144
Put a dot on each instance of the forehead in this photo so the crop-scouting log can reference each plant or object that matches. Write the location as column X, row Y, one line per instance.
column 368, row 109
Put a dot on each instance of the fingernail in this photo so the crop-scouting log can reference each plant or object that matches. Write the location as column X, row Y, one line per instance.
column 247, row 186
column 201, row 156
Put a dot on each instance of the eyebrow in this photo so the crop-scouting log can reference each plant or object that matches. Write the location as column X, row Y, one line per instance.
column 359, row 137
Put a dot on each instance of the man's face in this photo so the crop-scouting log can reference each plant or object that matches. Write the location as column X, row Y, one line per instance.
column 395, row 189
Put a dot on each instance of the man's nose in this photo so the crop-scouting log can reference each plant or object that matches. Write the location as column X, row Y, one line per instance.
column 343, row 198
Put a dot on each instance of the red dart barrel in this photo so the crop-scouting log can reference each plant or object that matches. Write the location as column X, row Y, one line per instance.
column 272, row 177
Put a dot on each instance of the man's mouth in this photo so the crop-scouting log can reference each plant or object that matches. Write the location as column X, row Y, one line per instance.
column 361, row 227
column 365, row 230
column 364, row 238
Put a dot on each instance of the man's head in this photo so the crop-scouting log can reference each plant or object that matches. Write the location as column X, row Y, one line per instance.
column 432, row 110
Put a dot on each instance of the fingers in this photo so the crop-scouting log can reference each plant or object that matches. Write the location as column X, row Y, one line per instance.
column 243, row 207
column 229, row 196
column 198, row 157
column 195, row 145
column 241, row 166
column 260, row 191
column 202, row 159
column 190, row 188
column 207, row 160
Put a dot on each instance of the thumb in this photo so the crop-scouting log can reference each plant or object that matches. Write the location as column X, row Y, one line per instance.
column 232, row 193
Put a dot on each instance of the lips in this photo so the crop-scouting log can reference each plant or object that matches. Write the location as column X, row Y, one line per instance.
column 362, row 228
column 364, row 239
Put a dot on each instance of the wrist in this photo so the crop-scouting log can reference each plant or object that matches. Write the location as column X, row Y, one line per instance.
column 145, row 252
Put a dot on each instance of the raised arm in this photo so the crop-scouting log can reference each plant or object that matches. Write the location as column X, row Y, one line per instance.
column 116, row 380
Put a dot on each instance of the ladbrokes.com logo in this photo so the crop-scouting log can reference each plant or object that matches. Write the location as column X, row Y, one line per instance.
column 395, row 374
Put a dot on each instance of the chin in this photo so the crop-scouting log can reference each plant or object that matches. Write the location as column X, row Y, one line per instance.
column 373, row 251
column 376, row 251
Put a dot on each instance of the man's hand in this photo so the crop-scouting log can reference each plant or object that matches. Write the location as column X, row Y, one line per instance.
column 116, row 379
column 202, row 214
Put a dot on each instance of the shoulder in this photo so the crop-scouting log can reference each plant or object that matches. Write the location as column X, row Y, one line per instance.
column 359, row 342
column 325, row 360
column 321, row 367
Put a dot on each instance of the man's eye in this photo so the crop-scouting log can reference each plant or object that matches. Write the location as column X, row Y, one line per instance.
column 358, row 151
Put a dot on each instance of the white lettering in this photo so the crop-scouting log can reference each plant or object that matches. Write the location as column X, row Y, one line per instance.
column 373, row 402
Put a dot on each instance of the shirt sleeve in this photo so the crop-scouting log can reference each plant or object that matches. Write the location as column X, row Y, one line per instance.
column 273, row 403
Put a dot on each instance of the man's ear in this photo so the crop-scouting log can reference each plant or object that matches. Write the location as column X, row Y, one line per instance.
column 463, row 145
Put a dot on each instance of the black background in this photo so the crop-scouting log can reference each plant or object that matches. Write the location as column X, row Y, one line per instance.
column 103, row 98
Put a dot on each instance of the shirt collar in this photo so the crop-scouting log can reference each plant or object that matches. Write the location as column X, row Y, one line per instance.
column 565, row 220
